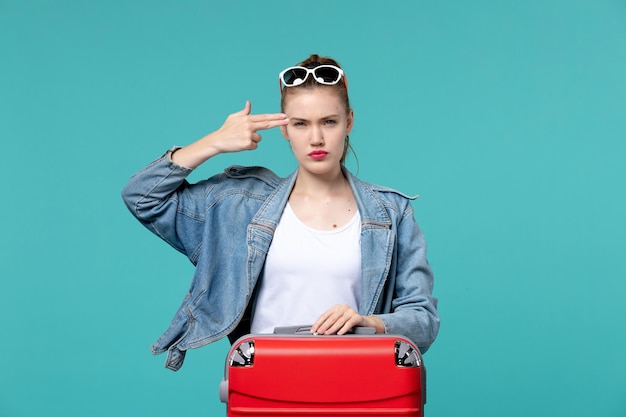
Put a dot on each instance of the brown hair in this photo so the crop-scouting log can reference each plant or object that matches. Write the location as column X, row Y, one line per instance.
column 341, row 88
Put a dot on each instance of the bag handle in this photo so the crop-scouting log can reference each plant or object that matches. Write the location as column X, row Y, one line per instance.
column 306, row 329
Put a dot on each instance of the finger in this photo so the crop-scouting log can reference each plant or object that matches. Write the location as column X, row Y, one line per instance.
column 253, row 143
column 343, row 320
column 316, row 326
column 331, row 318
column 340, row 326
column 320, row 326
column 267, row 125
column 348, row 325
column 267, row 116
column 246, row 109
column 267, row 121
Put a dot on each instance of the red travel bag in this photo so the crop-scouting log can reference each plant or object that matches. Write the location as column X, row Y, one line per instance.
column 321, row 376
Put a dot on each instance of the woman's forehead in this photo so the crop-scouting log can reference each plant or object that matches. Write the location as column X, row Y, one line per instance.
column 314, row 101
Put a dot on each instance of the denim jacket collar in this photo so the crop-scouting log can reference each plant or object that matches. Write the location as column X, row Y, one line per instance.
column 269, row 214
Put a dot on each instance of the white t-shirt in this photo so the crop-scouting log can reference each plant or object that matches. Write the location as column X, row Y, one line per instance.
column 308, row 271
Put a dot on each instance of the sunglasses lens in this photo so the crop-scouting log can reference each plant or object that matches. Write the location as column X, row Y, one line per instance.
column 294, row 76
column 323, row 74
column 330, row 75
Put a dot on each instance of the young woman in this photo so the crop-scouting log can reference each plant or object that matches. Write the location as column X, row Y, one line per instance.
column 319, row 247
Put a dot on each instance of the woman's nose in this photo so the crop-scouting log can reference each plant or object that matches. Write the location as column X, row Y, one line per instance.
column 317, row 138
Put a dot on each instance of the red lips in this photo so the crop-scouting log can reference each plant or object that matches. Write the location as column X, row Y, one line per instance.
column 318, row 154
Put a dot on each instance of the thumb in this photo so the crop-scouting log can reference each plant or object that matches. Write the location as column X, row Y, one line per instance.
column 246, row 109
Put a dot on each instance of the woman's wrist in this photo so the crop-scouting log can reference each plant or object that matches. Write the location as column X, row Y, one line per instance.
column 375, row 322
column 193, row 155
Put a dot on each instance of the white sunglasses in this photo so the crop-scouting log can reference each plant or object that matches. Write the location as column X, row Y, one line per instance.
column 323, row 74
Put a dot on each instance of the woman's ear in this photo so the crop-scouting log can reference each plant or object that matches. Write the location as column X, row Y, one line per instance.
column 283, row 130
column 350, row 122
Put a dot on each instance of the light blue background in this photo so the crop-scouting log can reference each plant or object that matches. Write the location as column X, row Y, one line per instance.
column 507, row 117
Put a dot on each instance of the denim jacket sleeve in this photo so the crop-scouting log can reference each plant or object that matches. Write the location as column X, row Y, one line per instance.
column 397, row 281
column 160, row 197
column 413, row 311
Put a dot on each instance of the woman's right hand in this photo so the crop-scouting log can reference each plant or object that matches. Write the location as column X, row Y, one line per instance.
column 238, row 133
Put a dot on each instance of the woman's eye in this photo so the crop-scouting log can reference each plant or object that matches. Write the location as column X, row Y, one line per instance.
column 330, row 122
column 298, row 124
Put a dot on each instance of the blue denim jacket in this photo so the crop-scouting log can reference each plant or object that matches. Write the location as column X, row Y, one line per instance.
column 225, row 224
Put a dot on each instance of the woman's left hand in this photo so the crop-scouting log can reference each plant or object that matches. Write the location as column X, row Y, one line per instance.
column 341, row 318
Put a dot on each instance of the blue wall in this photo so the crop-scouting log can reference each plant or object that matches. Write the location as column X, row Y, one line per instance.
column 507, row 117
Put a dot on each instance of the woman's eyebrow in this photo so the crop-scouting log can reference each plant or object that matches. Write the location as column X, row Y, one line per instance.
column 329, row 116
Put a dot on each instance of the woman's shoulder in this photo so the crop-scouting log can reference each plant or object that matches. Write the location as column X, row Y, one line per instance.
column 383, row 191
column 373, row 196
column 392, row 191
column 252, row 175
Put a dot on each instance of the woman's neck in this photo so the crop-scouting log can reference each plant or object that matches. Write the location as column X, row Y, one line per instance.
column 320, row 186
column 323, row 202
